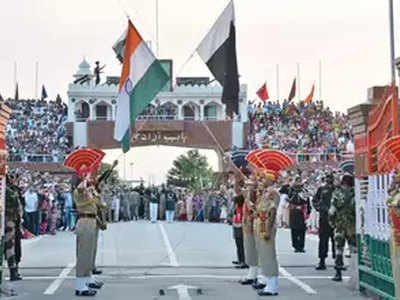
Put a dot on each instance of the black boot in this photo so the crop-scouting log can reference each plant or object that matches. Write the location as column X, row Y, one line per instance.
column 14, row 274
column 338, row 275
column 321, row 265
column 18, row 274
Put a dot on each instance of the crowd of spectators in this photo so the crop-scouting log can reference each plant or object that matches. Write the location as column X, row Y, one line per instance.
column 308, row 129
column 36, row 131
column 161, row 112
column 127, row 204
column 46, row 202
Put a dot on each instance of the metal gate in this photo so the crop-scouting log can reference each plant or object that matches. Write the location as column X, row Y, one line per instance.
column 373, row 235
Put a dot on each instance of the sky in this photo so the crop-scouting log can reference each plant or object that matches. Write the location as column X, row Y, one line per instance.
column 350, row 38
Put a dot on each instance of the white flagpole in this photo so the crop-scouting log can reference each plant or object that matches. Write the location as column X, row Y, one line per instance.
column 392, row 54
column 277, row 81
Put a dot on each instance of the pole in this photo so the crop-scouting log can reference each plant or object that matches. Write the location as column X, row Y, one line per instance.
column 157, row 30
column 298, row 83
column 277, row 81
column 36, row 80
column 320, row 80
column 392, row 54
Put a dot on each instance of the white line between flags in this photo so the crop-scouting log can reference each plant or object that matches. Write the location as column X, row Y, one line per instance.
column 170, row 251
column 60, row 279
column 308, row 289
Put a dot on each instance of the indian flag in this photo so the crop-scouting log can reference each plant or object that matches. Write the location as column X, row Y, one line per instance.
column 141, row 79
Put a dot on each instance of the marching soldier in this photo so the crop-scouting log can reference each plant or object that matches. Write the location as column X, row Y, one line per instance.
column 299, row 208
column 250, row 252
column 322, row 202
column 342, row 217
column 265, row 233
column 12, row 222
column 85, row 197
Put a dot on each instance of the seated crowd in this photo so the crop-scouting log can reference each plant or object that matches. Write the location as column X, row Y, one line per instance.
column 311, row 130
column 36, row 131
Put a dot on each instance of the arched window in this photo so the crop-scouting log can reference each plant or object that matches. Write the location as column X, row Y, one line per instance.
column 103, row 111
column 190, row 111
column 211, row 111
column 82, row 111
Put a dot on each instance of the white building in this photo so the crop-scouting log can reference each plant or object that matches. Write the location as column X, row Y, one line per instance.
column 191, row 99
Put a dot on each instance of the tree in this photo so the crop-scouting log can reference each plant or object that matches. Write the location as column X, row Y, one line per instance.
column 191, row 170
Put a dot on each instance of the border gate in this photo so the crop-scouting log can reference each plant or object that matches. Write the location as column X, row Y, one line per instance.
column 373, row 125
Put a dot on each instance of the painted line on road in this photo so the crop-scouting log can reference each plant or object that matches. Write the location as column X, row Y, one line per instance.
column 170, row 251
column 308, row 289
column 219, row 277
column 224, row 277
column 60, row 279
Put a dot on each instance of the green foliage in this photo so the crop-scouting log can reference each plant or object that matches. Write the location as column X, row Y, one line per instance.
column 192, row 171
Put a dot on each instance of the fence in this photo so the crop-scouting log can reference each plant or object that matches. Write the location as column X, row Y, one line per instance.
column 38, row 158
column 373, row 234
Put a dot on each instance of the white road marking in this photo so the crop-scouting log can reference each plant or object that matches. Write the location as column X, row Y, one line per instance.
column 170, row 251
column 223, row 277
column 220, row 277
column 60, row 279
column 183, row 291
column 296, row 281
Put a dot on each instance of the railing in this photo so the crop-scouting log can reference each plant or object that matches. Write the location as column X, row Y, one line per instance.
column 158, row 117
column 37, row 158
column 319, row 157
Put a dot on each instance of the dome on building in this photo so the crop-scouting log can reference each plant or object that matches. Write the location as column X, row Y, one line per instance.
column 84, row 68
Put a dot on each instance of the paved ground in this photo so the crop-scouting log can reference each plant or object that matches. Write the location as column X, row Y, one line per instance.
column 140, row 259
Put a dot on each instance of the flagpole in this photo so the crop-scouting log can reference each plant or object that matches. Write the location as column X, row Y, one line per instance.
column 277, row 81
column 298, row 83
column 36, row 80
column 392, row 54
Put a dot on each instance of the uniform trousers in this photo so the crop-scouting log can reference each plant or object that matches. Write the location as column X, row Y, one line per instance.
column 85, row 246
column 10, row 243
column 153, row 211
column 298, row 238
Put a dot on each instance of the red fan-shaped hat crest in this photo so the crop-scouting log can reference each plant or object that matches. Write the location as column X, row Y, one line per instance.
column 84, row 161
column 272, row 161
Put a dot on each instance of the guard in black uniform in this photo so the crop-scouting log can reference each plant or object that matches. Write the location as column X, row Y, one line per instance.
column 299, row 208
column 322, row 203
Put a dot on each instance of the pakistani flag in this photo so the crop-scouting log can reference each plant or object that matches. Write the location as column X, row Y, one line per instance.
column 141, row 79
column 218, row 51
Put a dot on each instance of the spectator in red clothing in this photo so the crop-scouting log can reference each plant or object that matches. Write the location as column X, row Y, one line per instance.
column 238, row 201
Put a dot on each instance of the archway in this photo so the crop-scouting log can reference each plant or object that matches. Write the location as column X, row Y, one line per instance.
column 191, row 111
column 82, row 111
column 103, row 111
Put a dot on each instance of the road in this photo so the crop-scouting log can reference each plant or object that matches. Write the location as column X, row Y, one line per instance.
column 139, row 259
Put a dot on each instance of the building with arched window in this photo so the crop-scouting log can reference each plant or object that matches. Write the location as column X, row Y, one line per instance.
column 190, row 99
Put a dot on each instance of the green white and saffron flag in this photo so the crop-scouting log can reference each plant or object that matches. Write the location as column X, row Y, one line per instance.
column 141, row 79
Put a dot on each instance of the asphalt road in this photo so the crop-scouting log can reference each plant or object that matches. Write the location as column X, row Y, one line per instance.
column 183, row 260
